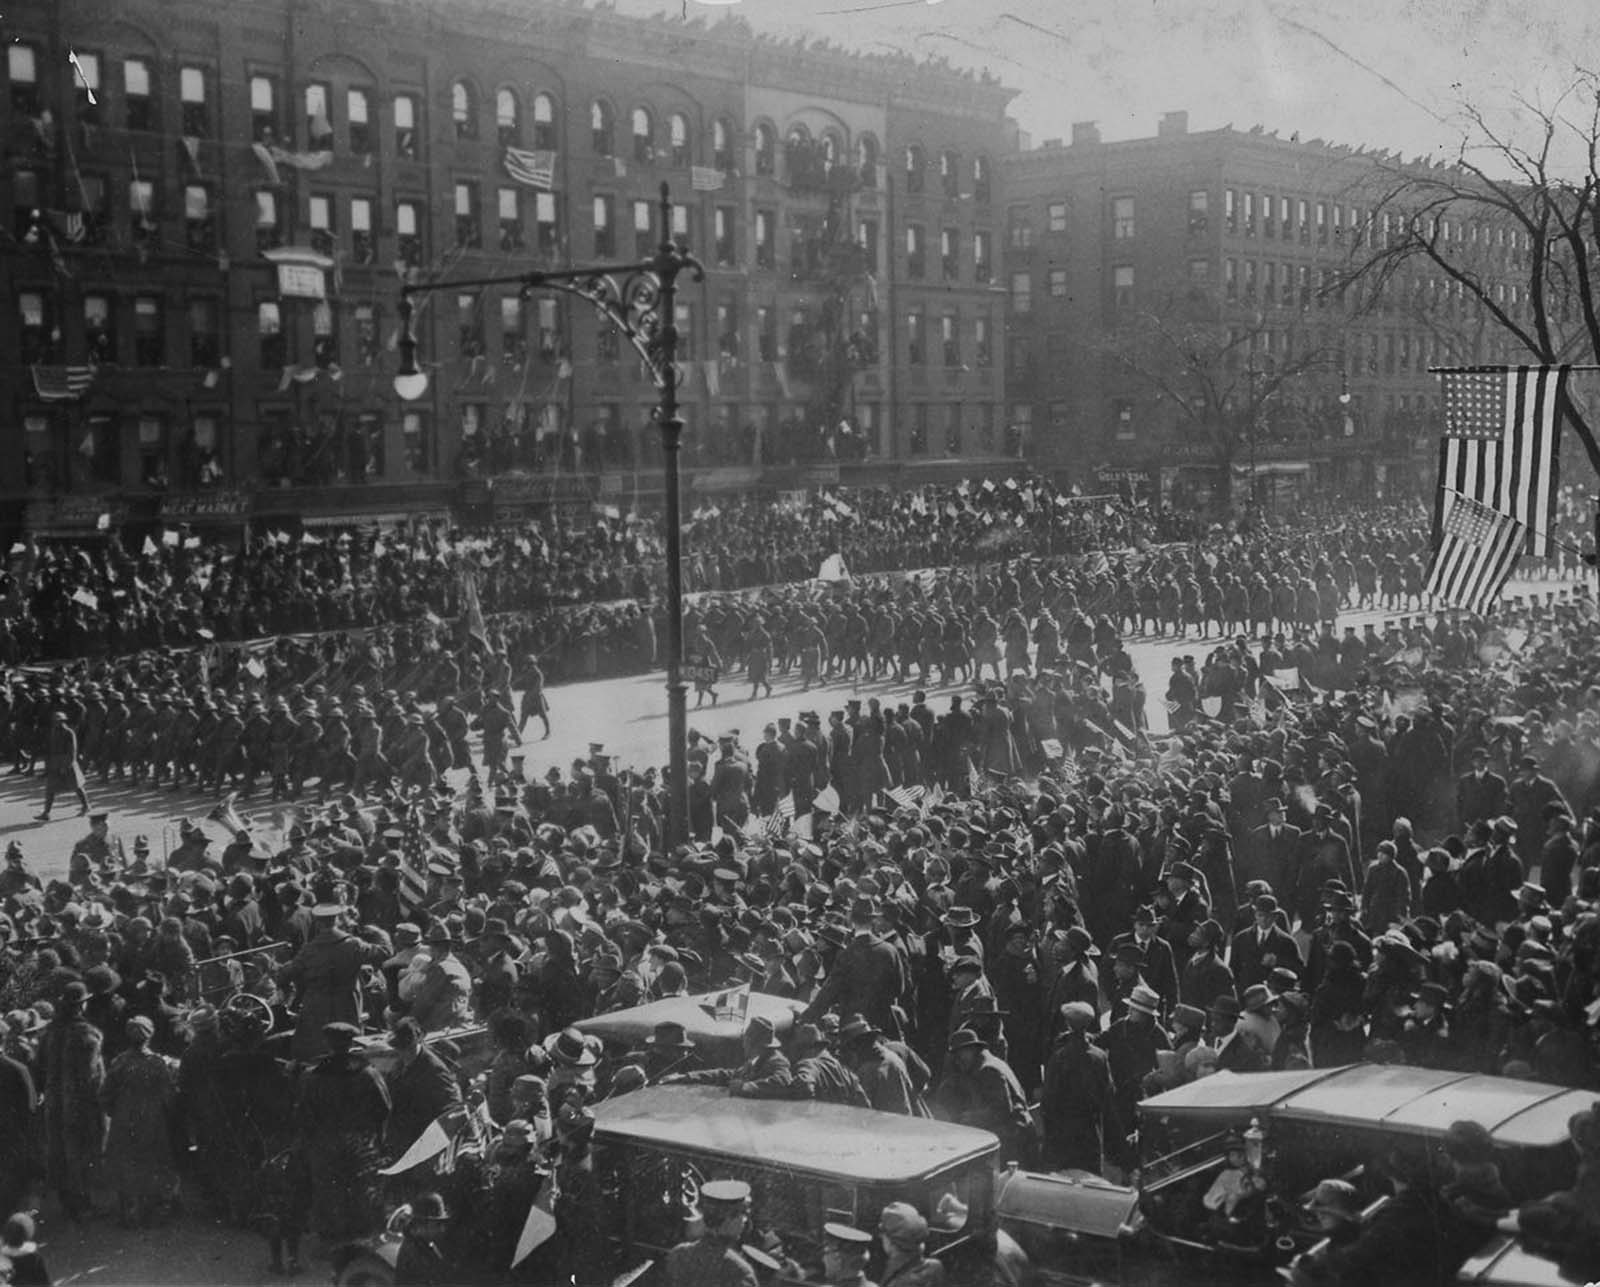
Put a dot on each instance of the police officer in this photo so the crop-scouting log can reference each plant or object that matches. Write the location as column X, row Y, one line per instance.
column 714, row 1259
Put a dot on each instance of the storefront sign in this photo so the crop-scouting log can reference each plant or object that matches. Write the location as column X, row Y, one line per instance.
column 819, row 476
column 207, row 506
column 74, row 515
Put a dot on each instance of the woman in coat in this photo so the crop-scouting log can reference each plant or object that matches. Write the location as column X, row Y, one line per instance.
column 138, row 1094
column 74, row 1123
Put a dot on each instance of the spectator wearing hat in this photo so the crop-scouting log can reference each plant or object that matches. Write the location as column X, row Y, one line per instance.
column 1527, row 798
column 846, row 1251
column 1077, row 1105
column 1480, row 792
column 421, row 1085
column 74, row 1120
column 1339, row 925
column 1271, row 851
column 325, row 976
column 714, row 1258
column 765, row 1072
column 1386, row 894
column 1425, row 1037
column 1292, row 1050
column 1265, row 946
column 339, row 1121
column 1188, row 911
column 138, row 1096
column 421, row 1260
column 1205, row 975
column 99, row 852
column 867, row 978
column 1335, row 1209
column 818, row 1072
column 1324, row 856
column 893, row 1078
column 1504, row 870
column 1077, row 977
column 1440, row 894
column 1400, row 1244
column 1475, row 1194
column 1131, row 1043
column 903, row 1235
column 1559, row 858
column 979, row 1089
column 440, row 995
column 1154, row 964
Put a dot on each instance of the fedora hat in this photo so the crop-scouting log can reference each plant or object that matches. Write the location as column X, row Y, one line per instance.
column 964, row 1039
column 1257, row 997
column 760, row 1033
column 1144, row 999
column 857, row 1028
column 569, row 1049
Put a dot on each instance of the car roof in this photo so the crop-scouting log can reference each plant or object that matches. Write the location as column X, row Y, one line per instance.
column 697, row 1014
column 852, row 1144
column 1517, row 1113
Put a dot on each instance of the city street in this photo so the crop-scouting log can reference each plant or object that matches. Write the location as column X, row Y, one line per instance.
column 627, row 716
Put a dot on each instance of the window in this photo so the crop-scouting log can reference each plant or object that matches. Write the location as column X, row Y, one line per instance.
column 950, row 339
column 464, row 110
column 469, row 233
column 1322, row 223
column 1230, row 211
column 361, row 242
column 142, row 204
column 1019, row 228
column 138, row 99
column 408, row 232
column 1249, row 214
column 205, row 336
column 916, row 167
column 324, row 335
column 358, row 120
column 1058, row 283
column 38, row 340
column 678, row 135
column 1304, row 220
column 766, row 150
column 766, row 333
column 952, row 429
column 544, row 122
column 507, row 118
column 1230, row 278
column 192, row 101
column 982, row 349
column 469, row 325
column 547, row 235
column 867, row 239
column 644, row 136
column 1268, row 223
column 722, row 146
column 916, row 253
column 982, row 255
column 980, row 180
column 1285, row 223
column 1122, row 285
column 149, row 333
column 722, row 236
column 405, row 127
column 152, row 451
column 1305, row 286
column 602, row 128
column 1199, row 211
column 263, row 109
column 683, row 322
column 22, row 63
column 99, row 329
column 418, row 440
column 269, row 329
column 1249, row 282
column 1019, row 357
column 25, row 205
column 508, row 210
column 86, row 87
column 321, row 221
column 319, row 119
column 513, row 328
column 1122, row 419
column 1056, row 214
column 916, row 342
column 605, row 232
column 867, row 160
column 766, row 249
column 96, row 208
column 1122, row 218
column 1021, row 293
column 950, row 173
column 644, row 241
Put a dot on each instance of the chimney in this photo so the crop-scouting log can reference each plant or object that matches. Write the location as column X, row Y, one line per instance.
column 1086, row 132
column 1173, row 123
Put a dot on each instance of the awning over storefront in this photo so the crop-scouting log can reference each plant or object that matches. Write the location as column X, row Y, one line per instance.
column 1273, row 468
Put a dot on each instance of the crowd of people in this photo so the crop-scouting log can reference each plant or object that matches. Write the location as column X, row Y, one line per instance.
column 1019, row 912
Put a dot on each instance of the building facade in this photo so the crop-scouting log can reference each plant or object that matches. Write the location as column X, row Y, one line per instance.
column 1251, row 236
column 214, row 207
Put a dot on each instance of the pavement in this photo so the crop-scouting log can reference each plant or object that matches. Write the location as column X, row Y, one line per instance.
column 628, row 716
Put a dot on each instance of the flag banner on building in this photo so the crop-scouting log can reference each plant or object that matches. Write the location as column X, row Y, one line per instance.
column 318, row 160
column 531, row 169
column 62, row 383
column 1476, row 552
column 1502, row 445
column 704, row 178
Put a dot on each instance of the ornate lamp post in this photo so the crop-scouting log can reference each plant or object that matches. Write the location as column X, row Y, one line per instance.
column 639, row 299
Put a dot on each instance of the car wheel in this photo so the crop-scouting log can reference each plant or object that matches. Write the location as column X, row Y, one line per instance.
column 365, row 1271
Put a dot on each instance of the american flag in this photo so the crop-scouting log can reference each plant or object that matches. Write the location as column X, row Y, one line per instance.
column 62, row 383
column 531, row 169
column 777, row 823
column 413, row 869
column 905, row 796
column 1502, row 445
column 1477, row 550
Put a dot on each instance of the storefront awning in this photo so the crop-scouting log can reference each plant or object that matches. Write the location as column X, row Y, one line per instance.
column 1270, row 468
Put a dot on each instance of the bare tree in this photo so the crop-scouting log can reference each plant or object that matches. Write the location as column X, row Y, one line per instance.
column 1224, row 371
column 1496, row 251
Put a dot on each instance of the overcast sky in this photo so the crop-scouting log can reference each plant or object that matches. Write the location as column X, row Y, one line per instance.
column 1381, row 73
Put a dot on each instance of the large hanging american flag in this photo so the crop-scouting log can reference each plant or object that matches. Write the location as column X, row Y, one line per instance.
column 1502, row 445
column 1477, row 550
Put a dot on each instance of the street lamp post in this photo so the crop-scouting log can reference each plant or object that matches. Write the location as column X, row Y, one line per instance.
column 640, row 300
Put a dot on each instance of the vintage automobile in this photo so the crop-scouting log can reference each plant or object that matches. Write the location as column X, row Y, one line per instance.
column 716, row 1030
column 1295, row 1128
column 807, row 1163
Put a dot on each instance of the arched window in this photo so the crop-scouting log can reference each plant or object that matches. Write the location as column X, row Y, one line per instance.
column 644, row 136
column 950, row 173
column 766, row 149
column 916, row 167
column 464, row 110
column 507, row 117
column 722, row 146
column 544, row 122
column 602, row 127
column 830, row 150
column 867, row 160
column 678, row 132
